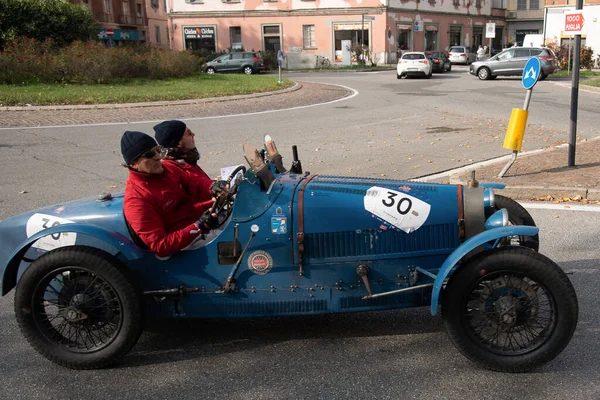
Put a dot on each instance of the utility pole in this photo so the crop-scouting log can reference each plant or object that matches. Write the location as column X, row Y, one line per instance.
column 362, row 39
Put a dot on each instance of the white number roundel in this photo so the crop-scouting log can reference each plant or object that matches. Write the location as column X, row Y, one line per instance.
column 399, row 209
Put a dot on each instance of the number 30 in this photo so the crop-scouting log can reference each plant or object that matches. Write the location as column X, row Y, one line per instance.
column 403, row 206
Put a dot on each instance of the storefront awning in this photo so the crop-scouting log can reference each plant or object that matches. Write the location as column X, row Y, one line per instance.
column 402, row 27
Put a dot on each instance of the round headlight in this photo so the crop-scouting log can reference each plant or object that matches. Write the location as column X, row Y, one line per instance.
column 489, row 198
column 497, row 219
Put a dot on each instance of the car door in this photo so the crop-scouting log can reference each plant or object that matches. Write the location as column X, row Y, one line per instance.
column 235, row 64
column 517, row 63
column 221, row 63
column 500, row 64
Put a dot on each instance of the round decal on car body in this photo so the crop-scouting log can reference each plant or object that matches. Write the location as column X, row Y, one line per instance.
column 260, row 262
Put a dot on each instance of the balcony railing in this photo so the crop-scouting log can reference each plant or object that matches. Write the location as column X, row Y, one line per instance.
column 499, row 4
column 526, row 14
column 131, row 20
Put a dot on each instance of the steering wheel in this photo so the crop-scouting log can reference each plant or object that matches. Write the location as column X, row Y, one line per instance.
column 223, row 206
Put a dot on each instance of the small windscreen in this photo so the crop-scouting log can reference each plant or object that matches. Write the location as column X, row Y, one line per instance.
column 413, row 57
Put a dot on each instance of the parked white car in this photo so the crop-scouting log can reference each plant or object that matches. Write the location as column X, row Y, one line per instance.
column 461, row 55
column 414, row 63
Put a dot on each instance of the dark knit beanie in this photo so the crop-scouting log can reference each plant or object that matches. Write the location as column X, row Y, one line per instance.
column 169, row 133
column 134, row 144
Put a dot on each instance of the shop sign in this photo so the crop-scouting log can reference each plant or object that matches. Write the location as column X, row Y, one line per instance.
column 574, row 23
column 431, row 28
column 117, row 34
column 199, row 32
column 402, row 27
column 349, row 27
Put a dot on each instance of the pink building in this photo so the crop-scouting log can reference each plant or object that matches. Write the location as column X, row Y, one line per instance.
column 304, row 29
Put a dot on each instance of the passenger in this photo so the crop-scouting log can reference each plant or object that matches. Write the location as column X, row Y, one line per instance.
column 166, row 206
column 178, row 141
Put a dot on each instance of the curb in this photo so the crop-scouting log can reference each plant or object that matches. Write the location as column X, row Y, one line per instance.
column 297, row 86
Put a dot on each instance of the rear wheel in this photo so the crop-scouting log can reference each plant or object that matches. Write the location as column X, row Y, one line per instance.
column 510, row 310
column 210, row 70
column 543, row 76
column 248, row 70
column 449, row 67
column 483, row 73
column 78, row 308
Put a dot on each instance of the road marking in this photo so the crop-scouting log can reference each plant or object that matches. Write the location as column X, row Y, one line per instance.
column 561, row 206
column 354, row 94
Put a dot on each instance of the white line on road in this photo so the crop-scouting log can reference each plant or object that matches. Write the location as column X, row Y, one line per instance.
column 354, row 94
column 561, row 206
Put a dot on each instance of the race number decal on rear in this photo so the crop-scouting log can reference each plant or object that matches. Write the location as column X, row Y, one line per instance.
column 401, row 210
column 38, row 222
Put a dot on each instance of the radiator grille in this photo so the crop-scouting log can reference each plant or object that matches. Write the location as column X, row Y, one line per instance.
column 267, row 307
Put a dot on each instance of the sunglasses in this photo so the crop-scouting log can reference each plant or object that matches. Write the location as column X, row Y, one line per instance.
column 151, row 153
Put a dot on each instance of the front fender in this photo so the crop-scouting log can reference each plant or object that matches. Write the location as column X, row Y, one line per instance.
column 465, row 248
column 120, row 243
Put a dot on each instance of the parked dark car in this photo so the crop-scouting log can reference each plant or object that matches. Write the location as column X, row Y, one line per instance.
column 246, row 62
column 439, row 61
column 512, row 61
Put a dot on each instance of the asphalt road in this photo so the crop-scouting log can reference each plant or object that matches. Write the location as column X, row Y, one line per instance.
column 391, row 127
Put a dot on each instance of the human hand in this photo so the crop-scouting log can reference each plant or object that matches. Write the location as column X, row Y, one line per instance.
column 218, row 187
column 207, row 221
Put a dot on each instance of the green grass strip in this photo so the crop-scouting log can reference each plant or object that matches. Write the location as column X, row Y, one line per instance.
column 140, row 90
column 591, row 82
column 583, row 72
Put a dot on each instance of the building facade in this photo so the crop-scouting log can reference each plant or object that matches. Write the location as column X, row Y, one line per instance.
column 157, row 22
column 121, row 21
column 524, row 17
column 304, row 29
column 555, row 22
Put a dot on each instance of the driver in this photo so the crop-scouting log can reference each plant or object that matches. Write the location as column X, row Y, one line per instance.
column 166, row 206
column 181, row 151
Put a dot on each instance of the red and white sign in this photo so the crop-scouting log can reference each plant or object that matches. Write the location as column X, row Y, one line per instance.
column 109, row 32
column 490, row 30
column 574, row 23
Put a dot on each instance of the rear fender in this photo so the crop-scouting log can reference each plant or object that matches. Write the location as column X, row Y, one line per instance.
column 449, row 265
column 118, row 242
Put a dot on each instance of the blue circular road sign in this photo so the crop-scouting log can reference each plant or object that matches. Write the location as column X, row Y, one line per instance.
column 531, row 73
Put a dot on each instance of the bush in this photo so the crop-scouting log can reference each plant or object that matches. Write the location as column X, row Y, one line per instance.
column 269, row 61
column 28, row 60
column 562, row 56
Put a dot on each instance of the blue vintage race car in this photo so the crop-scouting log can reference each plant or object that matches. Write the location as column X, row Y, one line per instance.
column 291, row 243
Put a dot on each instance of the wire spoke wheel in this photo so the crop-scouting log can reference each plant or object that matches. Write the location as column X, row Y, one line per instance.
column 77, row 309
column 509, row 313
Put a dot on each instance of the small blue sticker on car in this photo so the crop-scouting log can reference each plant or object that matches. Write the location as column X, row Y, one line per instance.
column 279, row 225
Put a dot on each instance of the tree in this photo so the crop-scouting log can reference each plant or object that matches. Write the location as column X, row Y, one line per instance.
column 59, row 20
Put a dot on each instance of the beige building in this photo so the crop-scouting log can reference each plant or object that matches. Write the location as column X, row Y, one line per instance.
column 158, row 27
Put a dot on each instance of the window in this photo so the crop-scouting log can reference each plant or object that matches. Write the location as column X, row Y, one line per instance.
column 534, row 4
column 455, row 33
column 138, row 9
column 107, row 8
column 521, row 4
column 431, row 37
column 522, row 53
column 271, row 38
column 235, row 37
column 309, row 36
column 126, row 8
column 506, row 55
column 157, row 33
column 154, row 4
column 168, row 39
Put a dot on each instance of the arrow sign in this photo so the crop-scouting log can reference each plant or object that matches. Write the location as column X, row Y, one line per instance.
column 531, row 72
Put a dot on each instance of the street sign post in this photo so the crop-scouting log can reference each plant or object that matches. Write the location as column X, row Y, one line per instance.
column 574, row 25
column 490, row 33
column 109, row 32
column 518, row 118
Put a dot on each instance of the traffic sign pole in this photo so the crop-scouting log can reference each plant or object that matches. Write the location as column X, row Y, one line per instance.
column 518, row 118
column 574, row 94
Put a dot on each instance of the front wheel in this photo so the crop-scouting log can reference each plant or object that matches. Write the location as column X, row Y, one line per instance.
column 210, row 70
column 483, row 73
column 78, row 308
column 510, row 310
column 517, row 215
column 326, row 63
column 248, row 70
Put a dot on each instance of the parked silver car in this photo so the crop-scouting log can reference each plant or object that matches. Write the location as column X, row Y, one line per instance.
column 461, row 55
column 512, row 61
column 246, row 62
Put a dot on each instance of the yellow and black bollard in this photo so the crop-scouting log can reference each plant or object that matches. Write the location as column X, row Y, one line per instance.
column 515, row 132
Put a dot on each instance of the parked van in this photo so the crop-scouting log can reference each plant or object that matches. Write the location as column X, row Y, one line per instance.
column 533, row 40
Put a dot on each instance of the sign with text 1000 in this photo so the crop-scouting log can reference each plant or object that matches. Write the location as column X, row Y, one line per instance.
column 574, row 23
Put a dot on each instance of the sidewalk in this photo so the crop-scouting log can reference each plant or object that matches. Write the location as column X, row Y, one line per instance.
column 540, row 175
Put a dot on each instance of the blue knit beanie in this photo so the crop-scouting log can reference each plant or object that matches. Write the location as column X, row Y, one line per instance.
column 134, row 144
column 169, row 133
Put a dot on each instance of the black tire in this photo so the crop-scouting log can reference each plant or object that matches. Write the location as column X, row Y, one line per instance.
column 449, row 67
column 78, row 308
column 543, row 76
column 492, row 77
column 510, row 309
column 210, row 70
column 517, row 215
column 398, row 76
column 326, row 63
column 483, row 73
column 248, row 70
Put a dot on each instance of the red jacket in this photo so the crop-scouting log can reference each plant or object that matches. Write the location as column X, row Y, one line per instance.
column 162, row 208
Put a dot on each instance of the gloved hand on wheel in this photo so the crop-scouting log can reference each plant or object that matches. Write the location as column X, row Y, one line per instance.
column 207, row 221
column 218, row 187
